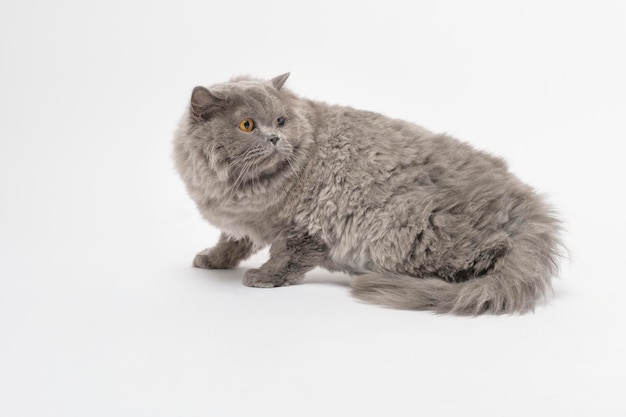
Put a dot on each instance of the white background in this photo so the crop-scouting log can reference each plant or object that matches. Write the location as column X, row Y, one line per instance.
column 100, row 311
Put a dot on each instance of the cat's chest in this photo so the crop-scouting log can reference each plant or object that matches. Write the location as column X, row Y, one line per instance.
column 239, row 221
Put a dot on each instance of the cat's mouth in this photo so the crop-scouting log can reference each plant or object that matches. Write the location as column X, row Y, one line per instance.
column 270, row 167
column 264, row 175
column 274, row 170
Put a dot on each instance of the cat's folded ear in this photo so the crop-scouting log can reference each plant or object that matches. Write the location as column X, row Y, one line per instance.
column 279, row 81
column 203, row 103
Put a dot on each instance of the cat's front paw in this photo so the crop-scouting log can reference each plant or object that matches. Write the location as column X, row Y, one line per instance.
column 256, row 278
column 209, row 260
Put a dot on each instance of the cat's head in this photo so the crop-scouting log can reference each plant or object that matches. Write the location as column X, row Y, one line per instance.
column 242, row 132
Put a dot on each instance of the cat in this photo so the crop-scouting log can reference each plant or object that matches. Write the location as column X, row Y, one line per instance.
column 422, row 220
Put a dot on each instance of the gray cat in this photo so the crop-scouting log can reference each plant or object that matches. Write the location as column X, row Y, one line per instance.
column 422, row 220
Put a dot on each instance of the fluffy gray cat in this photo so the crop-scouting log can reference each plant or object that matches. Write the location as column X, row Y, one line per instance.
column 422, row 220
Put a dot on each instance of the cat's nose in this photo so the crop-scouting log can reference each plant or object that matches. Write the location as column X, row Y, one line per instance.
column 273, row 139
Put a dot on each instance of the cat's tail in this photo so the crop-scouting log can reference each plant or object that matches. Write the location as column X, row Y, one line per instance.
column 518, row 280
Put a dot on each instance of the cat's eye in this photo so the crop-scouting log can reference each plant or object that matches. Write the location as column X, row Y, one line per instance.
column 246, row 125
column 280, row 121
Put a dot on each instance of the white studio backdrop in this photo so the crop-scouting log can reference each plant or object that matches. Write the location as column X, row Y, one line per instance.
column 100, row 311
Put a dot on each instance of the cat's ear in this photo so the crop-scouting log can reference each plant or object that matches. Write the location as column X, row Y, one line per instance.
column 279, row 81
column 203, row 102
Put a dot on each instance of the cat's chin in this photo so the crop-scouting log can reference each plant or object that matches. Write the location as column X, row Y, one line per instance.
column 273, row 167
column 276, row 160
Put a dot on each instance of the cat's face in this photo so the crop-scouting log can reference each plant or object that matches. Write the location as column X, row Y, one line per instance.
column 245, row 131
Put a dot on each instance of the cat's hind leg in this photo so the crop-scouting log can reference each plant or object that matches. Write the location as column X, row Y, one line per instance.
column 225, row 255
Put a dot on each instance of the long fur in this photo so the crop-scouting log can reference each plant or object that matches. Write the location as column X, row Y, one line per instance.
column 520, row 279
column 422, row 220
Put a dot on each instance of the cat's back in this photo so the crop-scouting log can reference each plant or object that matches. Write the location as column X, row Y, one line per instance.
column 368, row 132
column 381, row 178
column 369, row 144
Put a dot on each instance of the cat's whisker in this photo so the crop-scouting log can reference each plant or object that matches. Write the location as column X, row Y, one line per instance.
column 246, row 162
column 295, row 172
column 292, row 159
column 242, row 175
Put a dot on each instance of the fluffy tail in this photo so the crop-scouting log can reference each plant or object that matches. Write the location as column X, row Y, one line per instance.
column 517, row 281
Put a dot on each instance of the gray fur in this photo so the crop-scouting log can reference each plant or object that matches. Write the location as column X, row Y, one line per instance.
column 226, row 254
column 424, row 221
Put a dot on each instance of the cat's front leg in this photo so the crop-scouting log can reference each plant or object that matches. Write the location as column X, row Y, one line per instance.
column 225, row 255
column 291, row 256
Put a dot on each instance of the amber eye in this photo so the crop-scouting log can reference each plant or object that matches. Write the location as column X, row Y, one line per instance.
column 246, row 125
column 280, row 121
